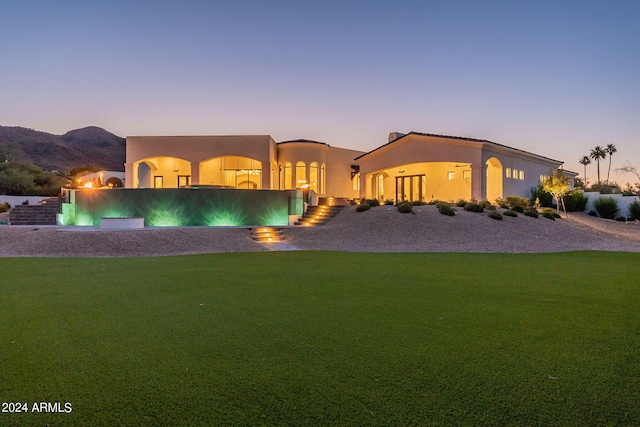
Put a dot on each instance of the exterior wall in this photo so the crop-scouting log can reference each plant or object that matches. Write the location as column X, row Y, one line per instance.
column 302, row 151
column 486, row 161
column 339, row 183
column 196, row 149
column 623, row 202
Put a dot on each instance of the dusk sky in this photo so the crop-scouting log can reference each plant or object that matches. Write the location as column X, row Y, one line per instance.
column 552, row 77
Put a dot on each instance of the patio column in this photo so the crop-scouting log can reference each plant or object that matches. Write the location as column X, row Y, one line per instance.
column 479, row 181
column 195, row 173
column 130, row 175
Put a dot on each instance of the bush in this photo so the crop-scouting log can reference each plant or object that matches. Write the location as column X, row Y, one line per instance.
column 545, row 199
column 510, row 213
column 518, row 209
column 460, row 203
column 575, row 201
column 634, row 210
column 434, row 202
column 531, row 213
column 372, row 202
column 550, row 212
column 389, row 202
column 405, row 207
column 446, row 209
column 418, row 203
column 549, row 215
column 495, row 215
column 502, row 203
column 621, row 219
column 473, row 207
column 4, row 207
column 363, row 207
column 607, row 207
column 593, row 213
column 513, row 201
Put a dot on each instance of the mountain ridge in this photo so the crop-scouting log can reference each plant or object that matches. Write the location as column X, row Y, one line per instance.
column 85, row 146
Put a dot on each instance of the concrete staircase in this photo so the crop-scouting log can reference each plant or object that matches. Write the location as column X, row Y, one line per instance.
column 318, row 215
column 43, row 213
column 267, row 234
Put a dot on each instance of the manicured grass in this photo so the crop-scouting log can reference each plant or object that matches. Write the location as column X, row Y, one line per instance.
column 321, row 338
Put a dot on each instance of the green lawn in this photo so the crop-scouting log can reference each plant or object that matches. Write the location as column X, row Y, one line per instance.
column 323, row 338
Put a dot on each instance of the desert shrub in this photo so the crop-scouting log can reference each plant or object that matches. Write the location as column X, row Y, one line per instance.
column 460, row 203
column 495, row 215
column 513, row 201
column 473, row 207
column 363, row 207
column 418, row 203
column 607, row 207
column 434, row 202
column 593, row 213
column 487, row 205
column 510, row 212
column 353, row 202
column 531, row 213
column 605, row 188
column 4, row 207
column 502, row 203
column 634, row 210
column 372, row 202
column 549, row 215
column 518, row 209
column 389, row 202
column 405, row 207
column 621, row 219
column 545, row 199
column 446, row 209
column 575, row 201
column 551, row 212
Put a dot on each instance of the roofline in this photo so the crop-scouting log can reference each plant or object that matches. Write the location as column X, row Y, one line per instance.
column 460, row 138
column 305, row 141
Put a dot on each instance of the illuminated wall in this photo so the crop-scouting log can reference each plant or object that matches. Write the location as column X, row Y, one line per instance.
column 184, row 207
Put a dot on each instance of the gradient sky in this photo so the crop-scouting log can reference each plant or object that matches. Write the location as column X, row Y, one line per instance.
column 552, row 77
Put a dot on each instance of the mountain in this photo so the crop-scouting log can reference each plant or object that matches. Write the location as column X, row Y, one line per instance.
column 81, row 147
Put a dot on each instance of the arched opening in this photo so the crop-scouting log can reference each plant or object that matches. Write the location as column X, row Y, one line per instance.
column 162, row 172
column 494, row 179
column 378, row 189
column 114, row 182
column 301, row 174
column 313, row 177
column 232, row 172
column 287, row 176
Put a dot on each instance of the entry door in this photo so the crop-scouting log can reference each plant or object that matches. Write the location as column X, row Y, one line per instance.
column 158, row 182
column 410, row 188
column 184, row 180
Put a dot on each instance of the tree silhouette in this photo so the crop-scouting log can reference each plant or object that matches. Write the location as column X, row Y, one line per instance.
column 610, row 150
column 596, row 154
column 585, row 160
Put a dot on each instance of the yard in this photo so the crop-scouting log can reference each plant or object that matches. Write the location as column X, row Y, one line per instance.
column 322, row 338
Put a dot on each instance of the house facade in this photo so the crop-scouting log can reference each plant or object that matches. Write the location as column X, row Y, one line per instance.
column 413, row 166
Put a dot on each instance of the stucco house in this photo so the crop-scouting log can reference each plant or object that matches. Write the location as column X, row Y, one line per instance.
column 412, row 166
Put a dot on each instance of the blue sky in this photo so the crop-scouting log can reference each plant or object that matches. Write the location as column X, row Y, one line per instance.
column 552, row 77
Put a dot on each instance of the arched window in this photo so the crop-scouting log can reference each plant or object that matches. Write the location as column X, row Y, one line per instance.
column 380, row 187
column 301, row 174
column 313, row 176
column 323, row 182
column 287, row 176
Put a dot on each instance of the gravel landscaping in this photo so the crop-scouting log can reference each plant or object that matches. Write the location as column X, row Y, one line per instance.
column 380, row 229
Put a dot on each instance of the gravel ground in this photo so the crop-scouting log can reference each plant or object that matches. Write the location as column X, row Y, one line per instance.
column 380, row 229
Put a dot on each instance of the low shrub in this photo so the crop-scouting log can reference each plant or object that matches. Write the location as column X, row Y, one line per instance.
column 353, row 202
column 513, row 201
column 495, row 215
column 531, row 213
column 607, row 207
column 545, row 199
column 4, row 207
column 389, row 202
column 405, row 207
column 363, row 207
column 485, row 204
column 460, row 203
column 502, row 203
column 446, row 209
column 434, row 202
column 372, row 202
column 418, row 203
column 518, row 209
column 551, row 212
column 549, row 215
column 634, row 210
column 510, row 212
column 621, row 219
column 575, row 201
column 593, row 213
column 473, row 207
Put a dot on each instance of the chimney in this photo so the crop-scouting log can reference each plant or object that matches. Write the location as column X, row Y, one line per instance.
column 395, row 135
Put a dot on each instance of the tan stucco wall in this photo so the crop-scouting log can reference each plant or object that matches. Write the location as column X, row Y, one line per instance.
column 339, row 161
column 195, row 149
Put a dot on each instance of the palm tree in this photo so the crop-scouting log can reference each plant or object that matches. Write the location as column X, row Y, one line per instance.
column 596, row 154
column 585, row 160
column 610, row 150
